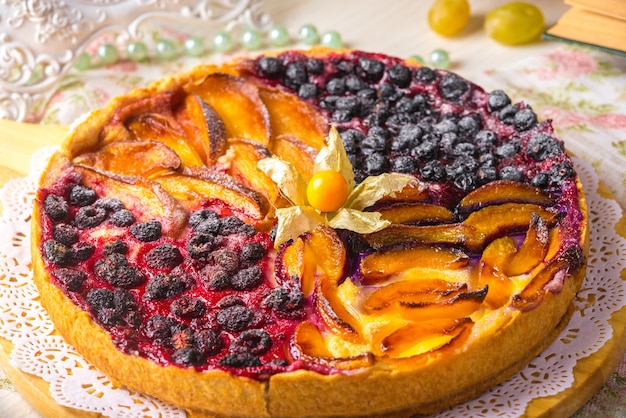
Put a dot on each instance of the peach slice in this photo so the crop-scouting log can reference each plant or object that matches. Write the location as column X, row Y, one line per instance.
column 533, row 249
column 490, row 271
column 243, row 166
column 205, row 130
column 383, row 264
column 416, row 212
column 231, row 97
column 145, row 198
column 297, row 152
column 425, row 337
column 290, row 116
column 504, row 191
column 195, row 187
column 307, row 343
column 132, row 158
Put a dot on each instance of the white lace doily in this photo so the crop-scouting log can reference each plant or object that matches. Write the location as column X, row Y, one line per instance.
column 75, row 383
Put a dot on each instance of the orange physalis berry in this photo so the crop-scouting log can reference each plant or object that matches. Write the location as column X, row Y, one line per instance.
column 327, row 191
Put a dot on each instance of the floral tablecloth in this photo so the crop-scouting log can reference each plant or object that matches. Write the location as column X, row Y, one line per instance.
column 582, row 90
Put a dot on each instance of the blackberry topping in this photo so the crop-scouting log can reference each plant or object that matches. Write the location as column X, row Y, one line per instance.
column 226, row 259
column 508, row 150
column 498, row 100
column 542, row 146
column 200, row 246
column 82, row 196
column 404, row 164
column 216, row 278
column 56, row 253
column 71, row 279
column 182, row 336
column 208, row 227
column 252, row 251
column 269, row 66
column 56, row 207
column 295, row 75
column 117, row 246
column 240, row 360
column 164, row 256
column 336, row 86
column 208, row 342
column 525, row 119
column 560, row 172
column 122, row 218
column 166, row 285
column 253, row 341
column 541, row 180
column 102, row 303
column 308, row 91
column 109, row 203
column 315, row 66
column 230, row 225
column 485, row 139
column 375, row 164
column 284, row 301
column 65, row 234
column 159, row 327
column 507, row 114
column 373, row 69
column 425, row 74
column 115, row 270
column 124, row 302
column 81, row 251
column 433, row 171
column 511, row 173
column 230, row 300
column 89, row 217
column 400, row 75
column 453, row 87
column 188, row 307
column 200, row 216
column 351, row 140
column 234, row 318
column 188, row 356
column 146, row 231
column 247, row 279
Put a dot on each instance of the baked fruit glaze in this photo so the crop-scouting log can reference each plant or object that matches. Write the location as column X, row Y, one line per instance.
column 157, row 223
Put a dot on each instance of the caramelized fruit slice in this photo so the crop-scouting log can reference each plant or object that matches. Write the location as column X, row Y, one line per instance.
column 533, row 249
column 504, row 191
column 204, row 129
column 416, row 213
column 307, row 343
column 426, row 337
column 290, row 116
column 145, row 198
column 290, row 263
column 132, row 158
column 491, row 274
column 413, row 192
column 231, row 97
column 295, row 151
column 381, row 265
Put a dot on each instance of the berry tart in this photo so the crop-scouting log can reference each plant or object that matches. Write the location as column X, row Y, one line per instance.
column 320, row 233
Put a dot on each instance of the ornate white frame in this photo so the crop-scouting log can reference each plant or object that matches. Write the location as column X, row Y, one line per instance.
column 40, row 40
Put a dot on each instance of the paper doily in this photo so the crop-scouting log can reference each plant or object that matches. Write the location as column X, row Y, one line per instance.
column 75, row 383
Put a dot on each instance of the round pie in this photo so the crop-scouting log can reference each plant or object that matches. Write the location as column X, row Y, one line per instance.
column 319, row 233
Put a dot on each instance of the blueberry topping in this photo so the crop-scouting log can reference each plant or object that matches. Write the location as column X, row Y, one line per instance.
column 345, row 66
column 433, row 171
column 71, row 279
column 508, row 150
column 240, row 360
column 404, row 164
column 56, row 253
column 453, row 87
column 315, row 66
column 425, row 74
column 354, row 83
column 541, row 180
column 252, row 251
column 234, row 318
column 407, row 138
column 308, row 91
column 560, row 172
column 374, row 142
column 117, row 246
column 485, row 140
column 147, row 231
column 336, row 86
column 122, row 218
column 373, row 69
column 253, row 341
column 400, row 75
column 166, row 285
column 507, row 114
column 487, row 160
column 469, row 125
column 65, row 234
column 350, row 104
column 109, row 203
column 115, row 270
column 376, row 163
column 82, row 196
column 200, row 216
column 387, row 90
column 465, row 181
column 351, row 139
column 498, row 100
column 464, row 148
column 56, row 207
column 247, row 279
column 511, row 173
column 188, row 356
column 89, row 217
column 427, row 150
column 463, row 164
column 486, row 174
column 295, row 75
column 188, row 307
column 525, row 119
column 542, row 146
column 269, row 66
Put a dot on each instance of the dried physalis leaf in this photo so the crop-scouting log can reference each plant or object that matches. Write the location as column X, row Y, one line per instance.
column 287, row 177
column 374, row 188
column 294, row 221
column 357, row 221
column 333, row 157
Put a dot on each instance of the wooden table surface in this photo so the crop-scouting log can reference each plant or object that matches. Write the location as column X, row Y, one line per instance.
column 396, row 28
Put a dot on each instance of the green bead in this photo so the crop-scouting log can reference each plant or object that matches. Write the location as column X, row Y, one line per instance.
column 223, row 42
column 194, row 46
column 418, row 59
column 279, row 36
column 307, row 34
column 332, row 39
column 166, row 49
column 137, row 51
column 83, row 62
column 439, row 59
column 108, row 54
column 251, row 39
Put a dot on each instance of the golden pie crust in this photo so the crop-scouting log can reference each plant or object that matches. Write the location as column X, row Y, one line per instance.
column 386, row 388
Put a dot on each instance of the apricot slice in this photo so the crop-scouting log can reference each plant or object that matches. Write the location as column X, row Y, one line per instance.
column 145, row 198
column 413, row 192
column 194, row 188
column 297, row 152
column 132, row 158
column 290, row 262
column 231, row 97
column 380, row 265
column 292, row 117
column 491, row 271
column 533, row 249
column 504, row 191
column 416, row 212
column 334, row 313
column 204, row 129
